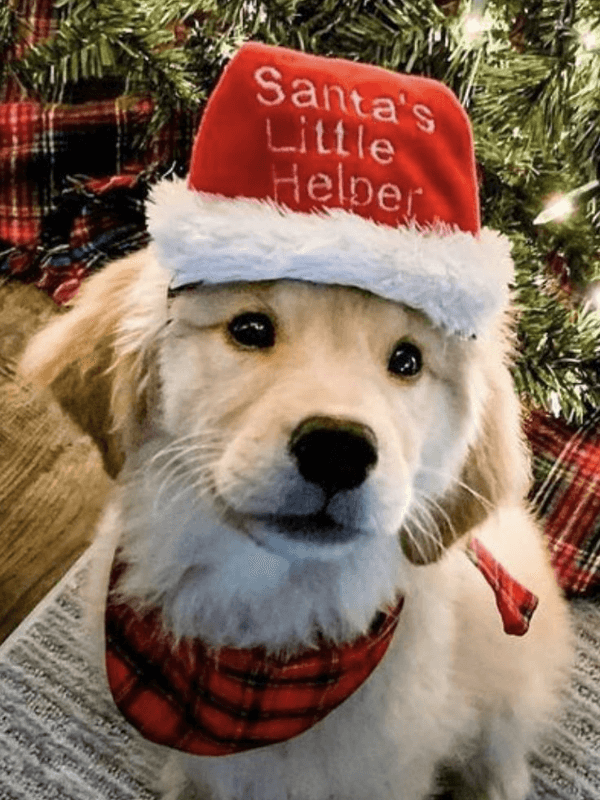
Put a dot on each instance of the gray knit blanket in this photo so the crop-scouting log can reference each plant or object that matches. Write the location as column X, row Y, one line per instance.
column 62, row 739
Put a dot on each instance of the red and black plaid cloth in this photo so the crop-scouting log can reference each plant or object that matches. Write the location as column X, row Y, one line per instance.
column 72, row 188
column 218, row 702
column 566, row 494
column 73, row 177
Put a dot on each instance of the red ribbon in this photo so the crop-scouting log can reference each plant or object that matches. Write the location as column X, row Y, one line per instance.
column 516, row 604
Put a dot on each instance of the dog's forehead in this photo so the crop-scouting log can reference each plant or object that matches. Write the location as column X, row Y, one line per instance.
column 211, row 302
column 217, row 300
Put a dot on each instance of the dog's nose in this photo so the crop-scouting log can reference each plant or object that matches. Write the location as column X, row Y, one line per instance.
column 334, row 453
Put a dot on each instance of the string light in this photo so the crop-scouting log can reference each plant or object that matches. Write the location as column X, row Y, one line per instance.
column 589, row 42
column 475, row 23
column 589, row 38
column 473, row 27
column 563, row 205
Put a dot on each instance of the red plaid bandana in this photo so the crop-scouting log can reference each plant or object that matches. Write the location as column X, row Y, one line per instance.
column 217, row 702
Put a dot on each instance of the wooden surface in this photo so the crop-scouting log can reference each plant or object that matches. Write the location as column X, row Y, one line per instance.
column 52, row 483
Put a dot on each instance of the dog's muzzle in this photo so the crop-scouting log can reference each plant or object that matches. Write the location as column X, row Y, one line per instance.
column 336, row 455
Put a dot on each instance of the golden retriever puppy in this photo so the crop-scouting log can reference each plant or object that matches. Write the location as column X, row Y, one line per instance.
column 292, row 460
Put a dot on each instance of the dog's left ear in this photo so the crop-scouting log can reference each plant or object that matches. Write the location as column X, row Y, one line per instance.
column 495, row 472
column 95, row 356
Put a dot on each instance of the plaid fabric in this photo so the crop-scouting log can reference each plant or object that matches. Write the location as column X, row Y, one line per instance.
column 516, row 604
column 566, row 493
column 38, row 20
column 73, row 177
column 73, row 186
column 218, row 702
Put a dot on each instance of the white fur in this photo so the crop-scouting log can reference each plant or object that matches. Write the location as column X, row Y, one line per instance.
column 208, row 453
column 459, row 280
column 228, row 589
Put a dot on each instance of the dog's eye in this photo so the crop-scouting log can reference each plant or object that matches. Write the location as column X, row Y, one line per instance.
column 406, row 360
column 252, row 329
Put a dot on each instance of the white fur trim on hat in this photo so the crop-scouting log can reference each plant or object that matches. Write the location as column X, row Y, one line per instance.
column 460, row 281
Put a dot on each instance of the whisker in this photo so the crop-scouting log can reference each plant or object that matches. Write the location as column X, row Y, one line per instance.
column 423, row 519
column 173, row 499
column 432, row 530
column 204, row 436
column 170, row 482
column 203, row 484
column 485, row 502
column 413, row 540
column 442, row 511
column 182, row 454
column 186, row 442
column 187, row 447
column 197, row 479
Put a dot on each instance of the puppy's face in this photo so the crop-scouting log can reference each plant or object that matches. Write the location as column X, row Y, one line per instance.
column 314, row 416
column 272, row 440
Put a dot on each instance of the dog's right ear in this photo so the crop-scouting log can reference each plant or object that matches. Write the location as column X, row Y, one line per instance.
column 94, row 357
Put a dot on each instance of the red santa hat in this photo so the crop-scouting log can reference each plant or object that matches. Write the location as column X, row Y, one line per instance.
column 330, row 171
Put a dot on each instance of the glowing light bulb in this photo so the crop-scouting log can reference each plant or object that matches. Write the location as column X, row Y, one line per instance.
column 474, row 25
column 588, row 38
column 589, row 41
column 563, row 205
column 560, row 208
